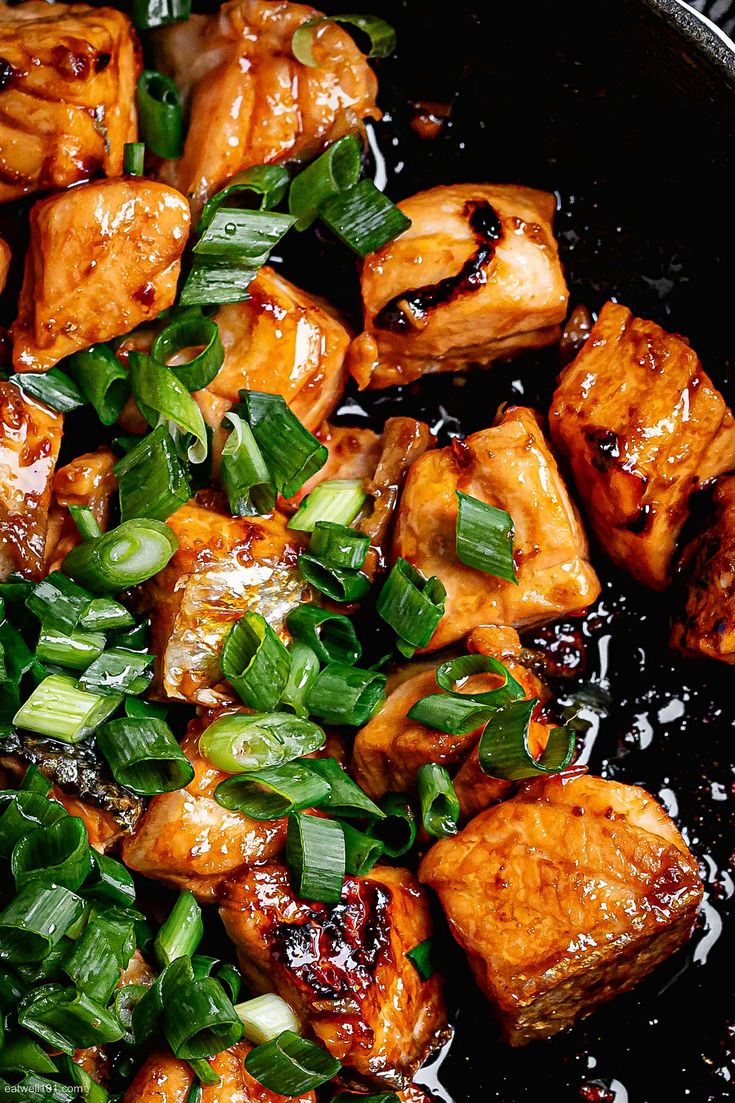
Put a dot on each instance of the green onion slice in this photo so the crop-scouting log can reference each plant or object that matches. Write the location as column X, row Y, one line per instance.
column 243, row 236
column 102, row 380
column 291, row 453
column 453, row 674
column 412, row 605
column 340, row 585
column 273, row 793
column 25, row 1055
column 503, row 749
column 85, row 520
column 459, row 713
column 397, row 831
column 104, row 614
column 23, row 811
column 331, row 636
column 248, row 743
column 265, row 1017
column 255, row 662
column 270, row 182
column 439, row 803
column 338, row 545
column 162, row 397
column 94, row 963
column 343, row 797
column 158, row 13
column 161, row 121
column 336, row 170
column 244, row 473
column 75, row 651
column 364, row 219
column 57, row 854
column 291, row 1065
column 362, row 851
column 118, row 671
column 68, row 1019
column 188, row 333
column 133, row 158
column 485, row 538
column 35, row 782
column 35, row 1087
column 58, row 602
column 382, row 36
column 127, row 555
column 346, row 694
column 53, row 388
column 315, row 852
column 35, row 920
column 59, row 709
column 229, row 976
column 152, row 481
column 181, row 931
column 213, row 281
column 335, row 500
column 144, row 756
column 199, row 1020
column 420, row 958
column 301, row 677
column 110, row 881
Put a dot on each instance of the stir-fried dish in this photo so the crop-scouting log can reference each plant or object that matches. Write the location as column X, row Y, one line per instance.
column 270, row 733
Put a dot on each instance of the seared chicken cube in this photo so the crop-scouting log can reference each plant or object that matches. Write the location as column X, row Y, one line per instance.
column 224, row 566
column 389, row 750
column 103, row 258
column 642, row 427
column 707, row 626
column 30, row 437
column 250, row 101
column 187, row 839
column 510, row 467
column 163, row 1078
column 565, row 896
column 476, row 277
column 67, row 94
column 343, row 967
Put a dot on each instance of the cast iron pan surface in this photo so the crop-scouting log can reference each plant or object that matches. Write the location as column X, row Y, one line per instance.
column 626, row 110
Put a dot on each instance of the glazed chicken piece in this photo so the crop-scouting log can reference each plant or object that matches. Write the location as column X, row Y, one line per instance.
column 88, row 481
column 706, row 628
column 163, row 1078
column 103, row 258
column 5, row 257
column 389, row 750
column 67, row 94
column 642, row 427
column 224, row 566
column 343, row 967
column 251, row 102
column 188, row 840
column 30, row 437
column 477, row 277
column 565, row 896
column 511, row 467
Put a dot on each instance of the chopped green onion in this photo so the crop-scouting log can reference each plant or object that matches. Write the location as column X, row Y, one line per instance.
column 339, row 585
column 503, row 749
column 161, row 396
column 25, row 1055
column 439, row 803
column 455, row 714
column 125, row 556
column 23, row 811
column 397, row 831
column 301, row 677
column 161, row 122
column 290, row 1065
column 382, row 36
column 273, row 793
column 343, row 797
column 58, row 602
column 459, row 713
column 86, row 522
column 59, row 709
column 291, row 453
column 485, row 538
column 68, row 1019
column 186, row 333
column 270, row 182
column 104, row 614
column 181, row 932
column 89, row 1089
column 362, row 851
column 75, row 651
column 35, row 782
column 152, row 481
column 412, row 605
column 35, row 920
column 133, row 158
column 157, row 13
column 33, row 1087
column 242, row 743
column 265, row 1017
column 364, row 218
column 53, row 388
column 336, row 170
column 335, row 500
column 420, row 958
column 57, row 854
column 346, row 694
column 205, row 1075
column 199, row 1020
column 110, row 881
column 315, row 852
column 453, row 673
column 94, row 965
column 118, row 671
column 202, row 965
column 144, row 756
column 213, row 281
column 360, row 1097
column 102, row 380
column 136, row 708
column 136, row 638
column 338, row 545
column 243, row 236
column 230, row 977
column 255, row 662
column 126, row 1000
column 243, row 472
column 331, row 636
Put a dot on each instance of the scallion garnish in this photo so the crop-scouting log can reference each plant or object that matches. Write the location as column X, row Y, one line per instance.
column 22, row 812
column 152, row 481
column 270, row 182
column 161, row 121
column 412, row 605
column 55, row 855
column 162, row 397
column 53, row 388
column 133, row 158
column 144, row 756
column 59, row 709
column 362, row 851
column 315, row 852
column 75, row 651
column 485, row 537
column 265, row 1017
column 439, row 803
column 212, row 281
column 397, row 830
column 340, row 585
column 35, row 920
column 158, row 13
column 68, row 1019
column 58, row 602
column 244, row 473
column 255, row 662
column 85, row 520
column 189, row 332
column 292, row 454
column 125, row 556
column 331, row 636
column 346, row 694
column 181, row 931
column 335, row 500
column 110, row 881
column 102, row 380
column 336, row 170
column 118, row 671
column 458, row 713
column 94, row 963
column 234, row 245
column 301, row 677
column 338, row 545
column 104, row 614
column 242, row 743
column 290, row 1065
column 200, row 1021
column 34, row 781
column 271, row 794
column 504, row 752
column 382, row 36
column 229, row 976
column 364, row 218
column 420, row 958
column 343, row 798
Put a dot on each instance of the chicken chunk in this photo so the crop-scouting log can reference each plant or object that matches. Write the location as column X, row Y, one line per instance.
column 565, row 896
column 67, row 94
column 103, row 258
column 224, row 566
column 251, row 101
column 642, row 427
column 30, row 437
column 188, row 840
column 389, row 750
column 163, row 1078
column 511, row 467
column 706, row 628
column 476, row 277
column 5, row 257
column 343, row 967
